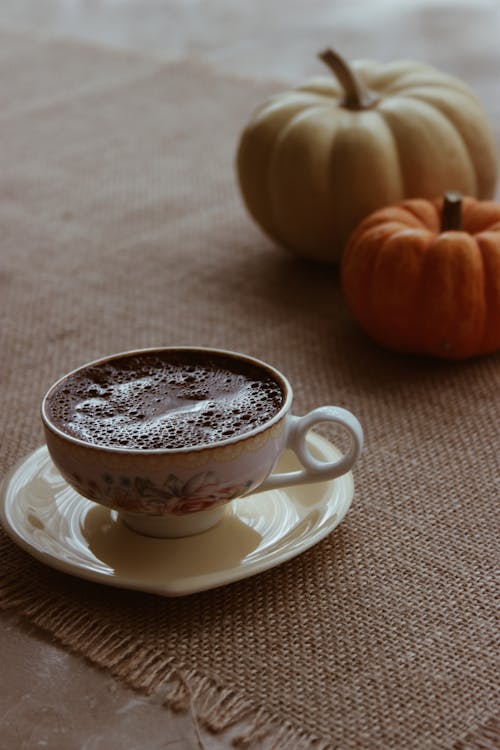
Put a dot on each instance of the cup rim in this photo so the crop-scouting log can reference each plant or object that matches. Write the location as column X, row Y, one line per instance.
column 283, row 410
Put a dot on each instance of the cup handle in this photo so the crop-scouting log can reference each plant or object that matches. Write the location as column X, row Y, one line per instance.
column 314, row 470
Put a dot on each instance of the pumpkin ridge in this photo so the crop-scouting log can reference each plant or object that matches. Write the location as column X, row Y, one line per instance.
column 441, row 107
column 253, row 134
column 396, row 311
column 402, row 88
column 268, row 223
column 410, row 207
column 398, row 147
column 383, row 225
column 330, row 172
column 428, row 77
column 479, row 218
column 302, row 114
column 453, row 313
column 485, row 295
column 297, row 108
column 372, row 305
column 264, row 109
column 356, row 271
column 298, row 118
column 398, row 112
column 485, row 169
column 486, row 246
column 422, row 302
column 320, row 99
column 401, row 171
column 381, row 76
column 438, row 206
column 364, row 146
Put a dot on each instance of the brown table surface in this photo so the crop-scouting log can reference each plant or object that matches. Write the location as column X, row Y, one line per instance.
column 273, row 39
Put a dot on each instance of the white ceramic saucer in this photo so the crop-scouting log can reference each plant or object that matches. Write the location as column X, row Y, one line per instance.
column 48, row 519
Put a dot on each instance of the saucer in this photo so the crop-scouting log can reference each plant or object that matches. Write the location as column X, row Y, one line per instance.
column 50, row 521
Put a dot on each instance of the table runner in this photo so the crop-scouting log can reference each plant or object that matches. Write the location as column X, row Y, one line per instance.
column 121, row 228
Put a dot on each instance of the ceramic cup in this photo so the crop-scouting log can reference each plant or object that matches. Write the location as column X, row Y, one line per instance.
column 182, row 491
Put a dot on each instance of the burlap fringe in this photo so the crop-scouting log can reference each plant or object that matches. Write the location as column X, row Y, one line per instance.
column 146, row 669
column 219, row 709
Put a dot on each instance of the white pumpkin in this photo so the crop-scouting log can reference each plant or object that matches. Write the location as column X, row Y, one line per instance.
column 314, row 161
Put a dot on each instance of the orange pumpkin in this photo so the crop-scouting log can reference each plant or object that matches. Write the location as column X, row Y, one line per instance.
column 424, row 277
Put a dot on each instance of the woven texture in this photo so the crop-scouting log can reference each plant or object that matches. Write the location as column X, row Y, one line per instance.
column 121, row 227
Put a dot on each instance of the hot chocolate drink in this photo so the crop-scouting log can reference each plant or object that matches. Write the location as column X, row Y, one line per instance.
column 164, row 400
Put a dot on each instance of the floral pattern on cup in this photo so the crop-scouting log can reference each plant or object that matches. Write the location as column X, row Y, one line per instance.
column 174, row 496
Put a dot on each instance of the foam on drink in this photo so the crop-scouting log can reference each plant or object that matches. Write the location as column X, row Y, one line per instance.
column 165, row 400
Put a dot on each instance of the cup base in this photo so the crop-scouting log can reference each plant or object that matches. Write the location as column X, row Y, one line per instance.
column 165, row 527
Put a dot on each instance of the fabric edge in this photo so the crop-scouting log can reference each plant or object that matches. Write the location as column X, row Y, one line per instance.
column 146, row 670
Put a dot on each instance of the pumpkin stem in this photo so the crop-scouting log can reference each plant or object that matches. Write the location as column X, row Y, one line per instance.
column 451, row 215
column 356, row 96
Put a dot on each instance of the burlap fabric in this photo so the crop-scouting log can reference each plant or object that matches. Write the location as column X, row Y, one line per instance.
column 121, row 227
